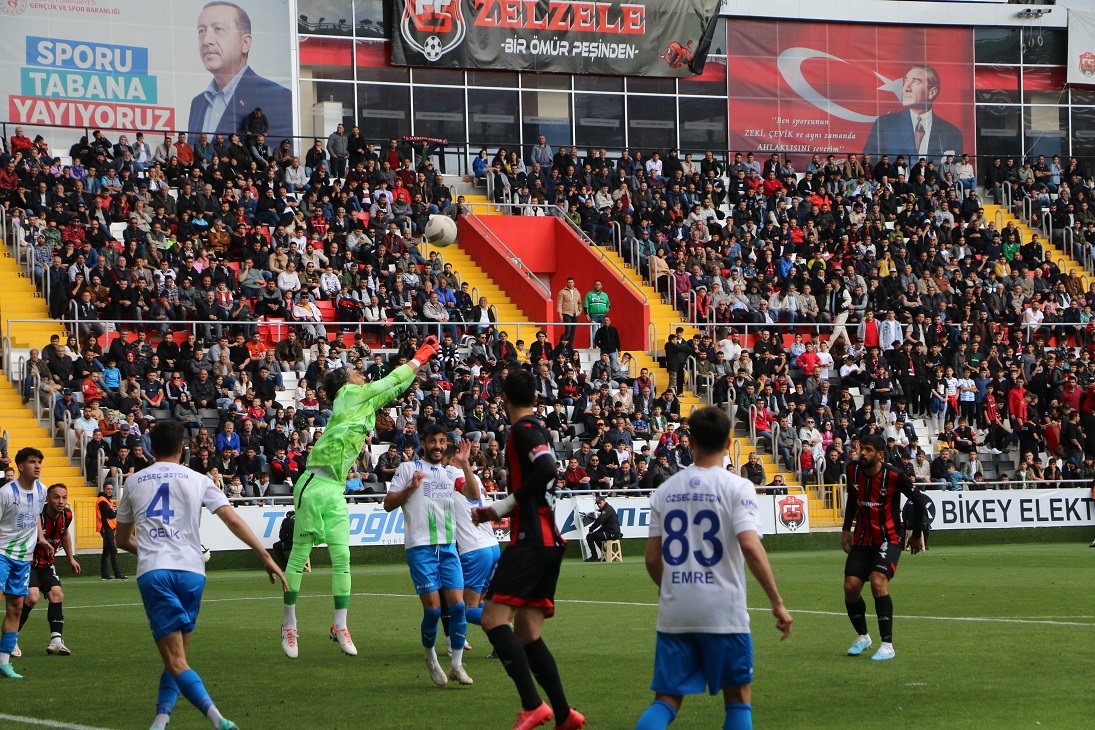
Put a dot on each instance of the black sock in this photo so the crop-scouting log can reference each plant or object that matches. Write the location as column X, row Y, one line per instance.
column 883, row 606
column 26, row 614
column 513, row 658
column 56, row 617
column 546, row 672
column 857, row 612
column 445, row 618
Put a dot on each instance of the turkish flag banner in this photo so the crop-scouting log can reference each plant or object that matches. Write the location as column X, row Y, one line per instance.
column 805, row 88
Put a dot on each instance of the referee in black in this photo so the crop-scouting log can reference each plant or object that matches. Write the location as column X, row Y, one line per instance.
column 522, row 591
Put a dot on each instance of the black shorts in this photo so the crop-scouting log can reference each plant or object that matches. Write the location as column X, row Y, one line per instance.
column 526, row 576
column 44, row 579
column 864, row 560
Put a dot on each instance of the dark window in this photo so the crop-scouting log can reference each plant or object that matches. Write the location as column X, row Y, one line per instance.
column 325, row 17
column 493, row 117
column 703, row 124
column 383, row 111
column 439, row 112
column 996, row 45
column 598, row 120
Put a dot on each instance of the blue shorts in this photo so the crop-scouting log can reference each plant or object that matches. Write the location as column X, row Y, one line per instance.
column 478, row 566
column 435, row 567
column 685, row 663
column 172, row 599
column 14, row 577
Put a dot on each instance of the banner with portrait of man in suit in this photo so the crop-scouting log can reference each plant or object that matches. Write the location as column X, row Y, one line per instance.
column 814, row 88
column 133, row 65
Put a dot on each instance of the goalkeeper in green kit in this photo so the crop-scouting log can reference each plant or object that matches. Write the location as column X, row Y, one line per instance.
column 318, row 496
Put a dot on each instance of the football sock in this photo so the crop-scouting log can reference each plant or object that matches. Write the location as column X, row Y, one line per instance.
column 857, row 612
column 474, row 615
column 883, row 607
column 191, row 687
column 340, row 573
column 7, row 645
column 513, row 658
column 56, row 616
column 739, row 716
column 430, row 617
column 27, row 608
column 289, row 620
column 446, row 618
column 168, row 695
column 340, row 615
column 543, row 667
column 657, row 716
column 459, row 626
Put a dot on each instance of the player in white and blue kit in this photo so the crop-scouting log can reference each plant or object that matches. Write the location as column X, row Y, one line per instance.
column 158, row 519
column 426, row 490
column 479, row 553
column 704, row 528
column 21, row 503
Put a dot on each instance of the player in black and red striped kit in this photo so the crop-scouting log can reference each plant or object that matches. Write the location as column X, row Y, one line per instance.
column 874, row 504
column 56, row 521
column 522, row 590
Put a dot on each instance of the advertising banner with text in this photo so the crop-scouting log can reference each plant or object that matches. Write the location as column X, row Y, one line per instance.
column 1012, row 508
column 805, row 88
column 135, row 65
column 371, row 525
column 638, row 38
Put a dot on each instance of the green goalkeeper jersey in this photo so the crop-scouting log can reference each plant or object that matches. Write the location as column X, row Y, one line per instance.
column 353, row 417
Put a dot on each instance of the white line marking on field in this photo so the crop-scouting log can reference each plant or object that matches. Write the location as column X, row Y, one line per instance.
column 965, row 619
column 47, row 723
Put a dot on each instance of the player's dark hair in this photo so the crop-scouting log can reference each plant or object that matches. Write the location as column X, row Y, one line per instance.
column 874, row 440
column 56, row 486
column 432, row 430
column 26, row 452
column 710, row 430
column 450, row 451
column 333, row 382
column 166, row 438
column 520, row 389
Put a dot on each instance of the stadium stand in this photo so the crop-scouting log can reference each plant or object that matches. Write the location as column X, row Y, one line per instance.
column 815, row 305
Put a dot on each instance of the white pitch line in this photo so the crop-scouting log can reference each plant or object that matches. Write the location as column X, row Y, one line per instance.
column 965, row 619
column 47, row 723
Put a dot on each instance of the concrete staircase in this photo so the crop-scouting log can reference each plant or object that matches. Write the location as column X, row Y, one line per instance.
column 480, row 283
column 20, row 301
column 1053, row 251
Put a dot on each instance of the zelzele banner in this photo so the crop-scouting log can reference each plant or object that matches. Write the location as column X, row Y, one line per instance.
column 637, row 38
column 805, row 87
column 371, row 525
column 135, row 65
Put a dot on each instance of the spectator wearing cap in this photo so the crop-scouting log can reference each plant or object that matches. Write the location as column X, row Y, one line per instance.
column 67, row 405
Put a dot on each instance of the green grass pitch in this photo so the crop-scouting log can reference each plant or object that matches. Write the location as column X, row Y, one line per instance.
column 986, row 637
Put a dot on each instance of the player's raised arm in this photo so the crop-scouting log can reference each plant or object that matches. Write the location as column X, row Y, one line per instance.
column 757, row 560
column 239, row 528
column 462, row 461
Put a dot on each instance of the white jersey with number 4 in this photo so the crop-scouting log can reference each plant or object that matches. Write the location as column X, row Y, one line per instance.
column 19, row 512
column 429, row 514
column 698, row 513
column 164, row 504
column 470, row 536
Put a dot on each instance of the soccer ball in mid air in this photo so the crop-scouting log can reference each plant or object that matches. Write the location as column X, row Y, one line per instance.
column 440, row 231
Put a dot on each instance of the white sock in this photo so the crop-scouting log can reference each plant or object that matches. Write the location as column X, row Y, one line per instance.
column 160, row 723
column 214, row 716
column 431, row 654
column 5, row 658
column 340, row 618
column 290, row 619
column 457, row 656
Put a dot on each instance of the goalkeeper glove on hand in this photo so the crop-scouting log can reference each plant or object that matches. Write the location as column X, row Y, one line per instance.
column 427, row 350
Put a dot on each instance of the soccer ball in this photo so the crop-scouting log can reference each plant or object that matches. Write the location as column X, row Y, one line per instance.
column 440, row 231
column 206, row 554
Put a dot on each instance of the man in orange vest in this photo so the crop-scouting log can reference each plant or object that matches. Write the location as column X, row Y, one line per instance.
column 106, row 522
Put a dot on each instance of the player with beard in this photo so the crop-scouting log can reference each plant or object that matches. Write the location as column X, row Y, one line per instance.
column 56, row 521
column 874, row 506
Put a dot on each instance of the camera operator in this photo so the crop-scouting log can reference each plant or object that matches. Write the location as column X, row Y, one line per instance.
column 605, row 526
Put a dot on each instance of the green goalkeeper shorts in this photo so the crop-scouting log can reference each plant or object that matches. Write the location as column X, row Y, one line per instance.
column 322, row 516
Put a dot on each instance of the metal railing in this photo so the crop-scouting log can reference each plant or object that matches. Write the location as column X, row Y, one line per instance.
column 515, row 259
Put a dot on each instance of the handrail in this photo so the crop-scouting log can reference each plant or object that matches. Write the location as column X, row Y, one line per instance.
column 1047, row 225
column 690, row 372
column 753, row 410
column 514, row 258
column 1028, row 211
column 652, row 338
column 736, row 458
column 601, row 255
column 1007, row 195
column 797, row 466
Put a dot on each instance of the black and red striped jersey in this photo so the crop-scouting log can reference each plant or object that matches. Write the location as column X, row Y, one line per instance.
column 875, row 505
column 54, row 529
column 532, row 521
